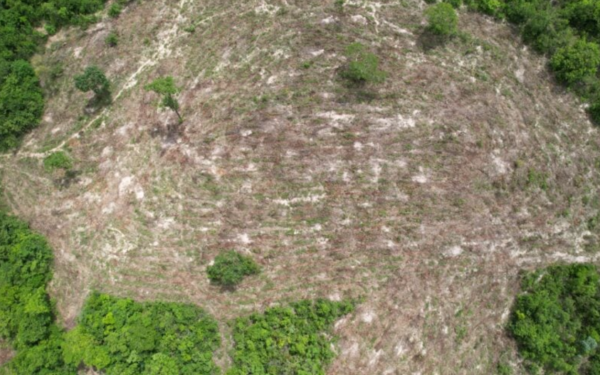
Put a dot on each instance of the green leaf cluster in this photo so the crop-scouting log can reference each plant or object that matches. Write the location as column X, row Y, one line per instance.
column 230, row 268
column 58, row 160
column 121, row 337
column 556, row 320
column 287, row 340
column 363, row 66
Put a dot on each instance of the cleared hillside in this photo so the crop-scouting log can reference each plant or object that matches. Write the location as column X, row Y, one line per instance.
column 425, row 194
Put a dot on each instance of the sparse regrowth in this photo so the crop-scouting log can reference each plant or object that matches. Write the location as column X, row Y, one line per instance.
column 556, row 320
column 58, row 160
column 230, row 268
column 287, row 340
column 112, row 39
column 166, row 88
column 93, row 79
column 362, row 66
column 442, row 19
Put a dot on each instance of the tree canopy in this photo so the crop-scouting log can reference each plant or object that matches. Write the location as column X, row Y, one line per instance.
column 556, row 319
column 93, row 79
column 287, row 340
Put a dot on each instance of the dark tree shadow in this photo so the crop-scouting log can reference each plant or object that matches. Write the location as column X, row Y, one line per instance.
column 71, row 176
column 98, row 102
column 428, row 41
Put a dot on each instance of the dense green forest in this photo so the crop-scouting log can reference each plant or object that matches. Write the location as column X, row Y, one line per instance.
column 26, row 313
column 287, row 340
column 21, row 99
column 121, row 337
column 556, row 320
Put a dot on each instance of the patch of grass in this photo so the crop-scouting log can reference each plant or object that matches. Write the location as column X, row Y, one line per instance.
column 58, row 160
column 537, row 179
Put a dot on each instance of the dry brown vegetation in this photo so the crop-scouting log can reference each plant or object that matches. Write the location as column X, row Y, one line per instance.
column 426, row 195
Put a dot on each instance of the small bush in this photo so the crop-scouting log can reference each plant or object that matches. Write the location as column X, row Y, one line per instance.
column 442, row 19
column 230, row 268
column 58, row 160
column 112, row 40
column 363, row 66
column 115, row 10
column 576, row 62
column 93, row 79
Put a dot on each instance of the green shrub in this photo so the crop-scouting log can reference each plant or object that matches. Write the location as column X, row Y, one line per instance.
column 442, row 19
column 363, row 66
column 93, row 79
column 286, row 340
column 230, row 268
column 491, row 7
column 166, row 88
column 58, row 160
column 115, row 10
column 576, row 62
column 112, row 40
column 556, row 319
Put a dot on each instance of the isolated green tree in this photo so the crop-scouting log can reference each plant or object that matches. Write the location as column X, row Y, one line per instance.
column 442, row 19
column 166, row 88
column 576, row 62
column 230, row 268
column 93, row 79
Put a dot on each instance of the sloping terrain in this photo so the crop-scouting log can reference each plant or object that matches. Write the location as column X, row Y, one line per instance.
column 425, row 195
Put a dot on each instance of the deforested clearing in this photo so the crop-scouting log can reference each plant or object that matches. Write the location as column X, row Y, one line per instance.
column 422, row 196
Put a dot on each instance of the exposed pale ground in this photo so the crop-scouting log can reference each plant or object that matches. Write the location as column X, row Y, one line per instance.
column 424, row 200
